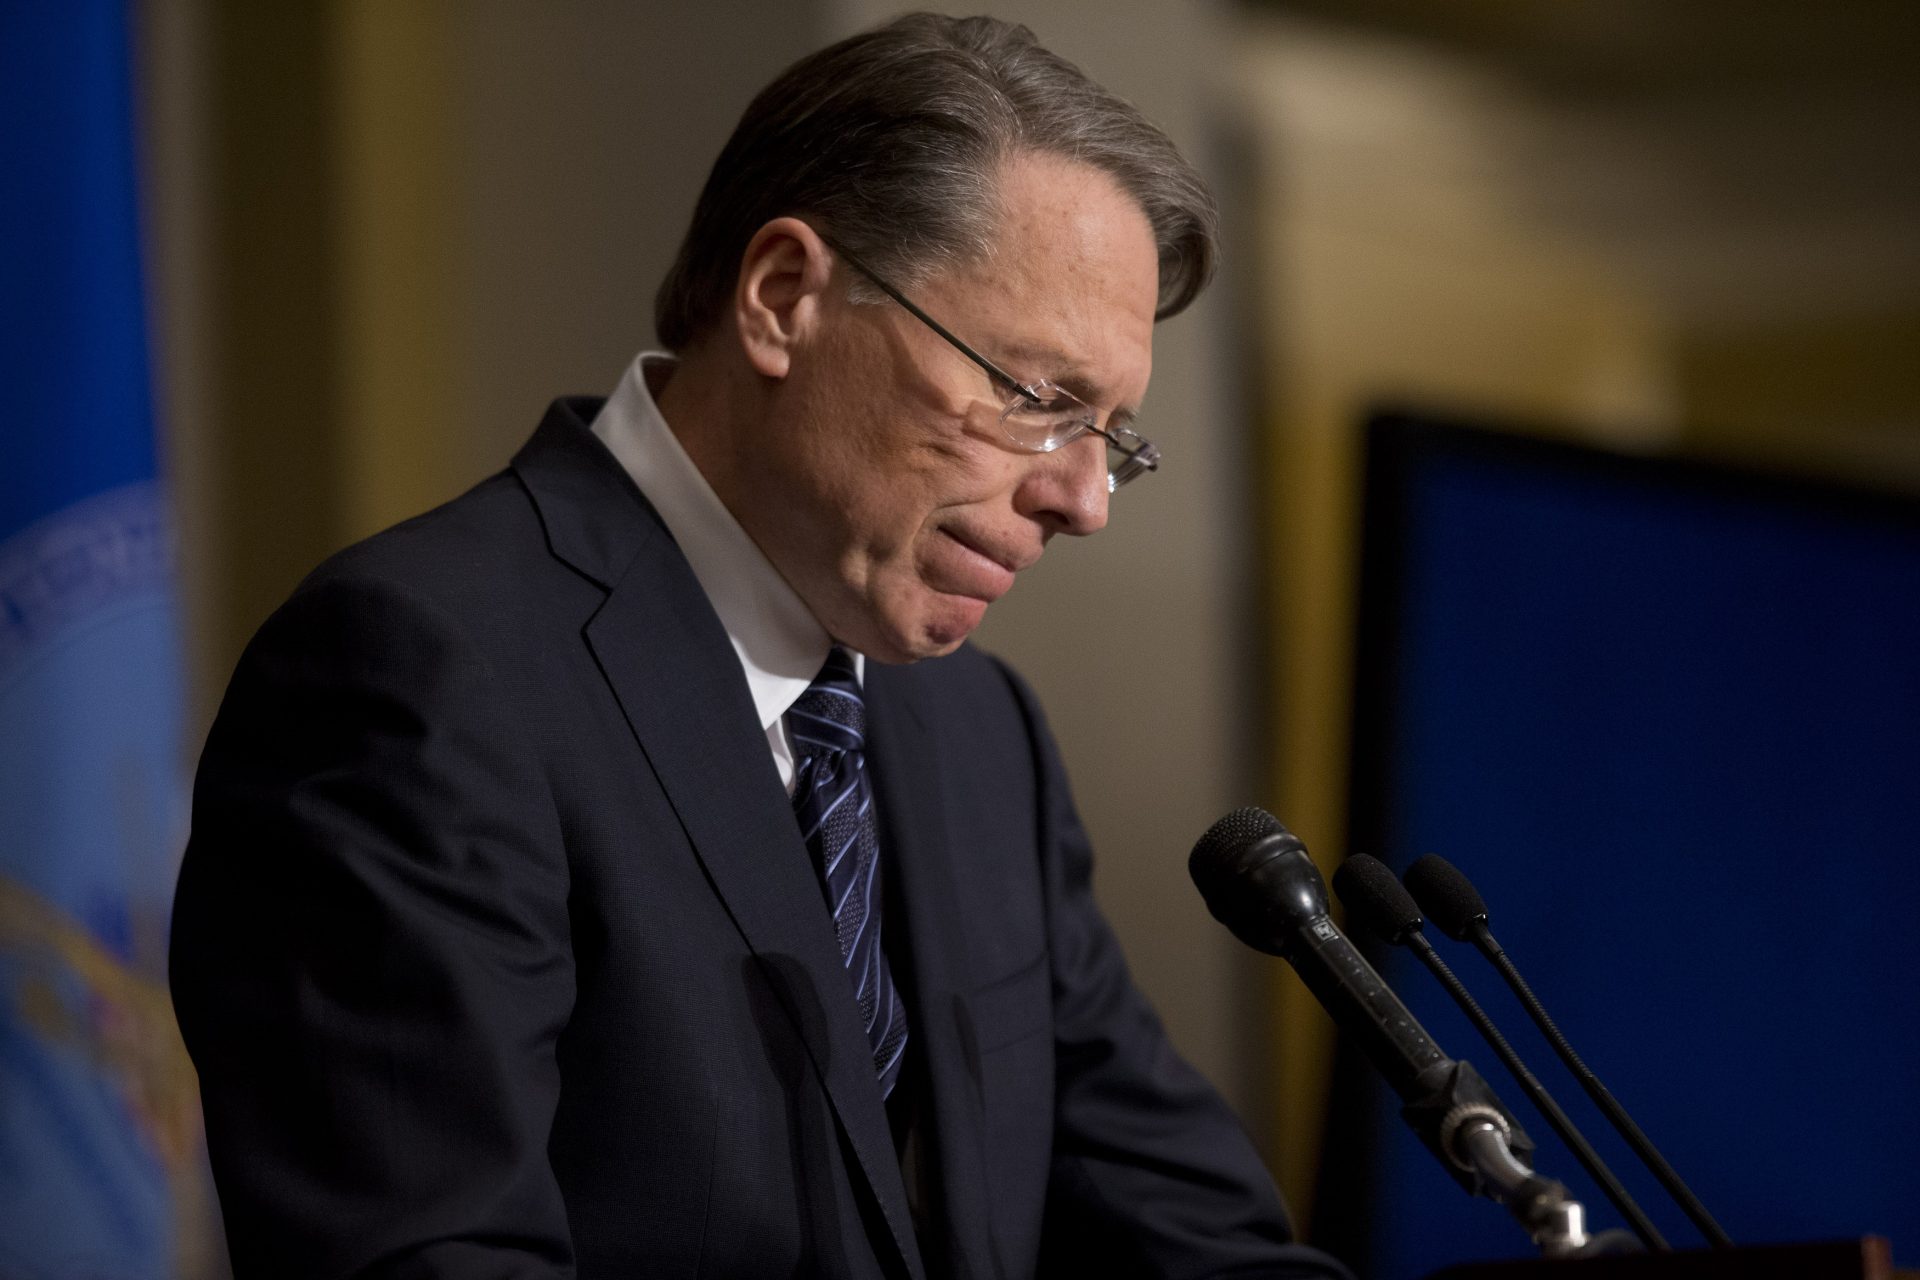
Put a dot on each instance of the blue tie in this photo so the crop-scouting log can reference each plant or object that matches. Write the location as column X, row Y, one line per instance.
column 833, row 800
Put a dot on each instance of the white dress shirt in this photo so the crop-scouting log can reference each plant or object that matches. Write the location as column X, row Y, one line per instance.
column 779, row 642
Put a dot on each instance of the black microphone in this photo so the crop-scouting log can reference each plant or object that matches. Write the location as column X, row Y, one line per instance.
column 1451, row 901
column 1381, row 906
column 1257, row 880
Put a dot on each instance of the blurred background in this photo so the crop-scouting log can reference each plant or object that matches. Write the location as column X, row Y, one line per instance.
column 276, row 276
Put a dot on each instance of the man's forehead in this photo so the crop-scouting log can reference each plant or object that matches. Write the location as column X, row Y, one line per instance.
column 1068, row 287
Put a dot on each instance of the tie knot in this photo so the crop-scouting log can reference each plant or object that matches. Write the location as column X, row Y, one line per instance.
column 830, row 714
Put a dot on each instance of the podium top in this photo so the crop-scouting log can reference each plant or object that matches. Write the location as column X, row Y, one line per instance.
column 1868, row 1258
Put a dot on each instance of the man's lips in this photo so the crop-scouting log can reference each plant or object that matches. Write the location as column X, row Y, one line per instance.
column 1011, row 561
column 973, row 567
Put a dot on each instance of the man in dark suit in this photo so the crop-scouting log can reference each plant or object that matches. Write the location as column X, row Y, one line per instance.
column 627, row 869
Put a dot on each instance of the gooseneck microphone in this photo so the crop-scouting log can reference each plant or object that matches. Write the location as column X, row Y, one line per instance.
column 1257, row 880
column 1380, row 905
column 1452, row 903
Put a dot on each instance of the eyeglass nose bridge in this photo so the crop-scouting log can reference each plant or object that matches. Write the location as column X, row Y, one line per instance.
column 1137, row 455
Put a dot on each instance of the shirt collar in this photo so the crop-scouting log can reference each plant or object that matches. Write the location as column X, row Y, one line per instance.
column 780, row 644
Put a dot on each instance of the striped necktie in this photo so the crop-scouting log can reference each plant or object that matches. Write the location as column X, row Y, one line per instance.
column 833, row 800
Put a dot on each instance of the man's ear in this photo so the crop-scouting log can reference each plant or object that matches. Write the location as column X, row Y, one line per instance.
column 783, row 278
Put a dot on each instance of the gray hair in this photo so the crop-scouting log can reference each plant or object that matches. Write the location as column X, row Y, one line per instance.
column 892, row 141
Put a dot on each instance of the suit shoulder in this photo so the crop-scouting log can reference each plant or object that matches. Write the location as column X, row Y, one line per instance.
column 472, row 577
column 491, row 522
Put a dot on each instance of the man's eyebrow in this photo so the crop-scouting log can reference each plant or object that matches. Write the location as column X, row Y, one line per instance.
column 1067, row 373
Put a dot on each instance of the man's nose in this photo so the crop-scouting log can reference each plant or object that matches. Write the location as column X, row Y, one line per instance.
column 1066, row 490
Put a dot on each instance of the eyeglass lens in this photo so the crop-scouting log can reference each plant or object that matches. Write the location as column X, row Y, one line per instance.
column 1058, row 417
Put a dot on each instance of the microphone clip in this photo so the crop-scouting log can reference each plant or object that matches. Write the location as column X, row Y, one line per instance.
column 1448, row 1092
column 1459, row 1119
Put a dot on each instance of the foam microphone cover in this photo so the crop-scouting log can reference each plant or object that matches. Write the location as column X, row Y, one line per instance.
column 1375, row 900
column 1447, row 896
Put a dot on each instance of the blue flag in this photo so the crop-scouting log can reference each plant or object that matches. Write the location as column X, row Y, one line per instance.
column 99, row 1124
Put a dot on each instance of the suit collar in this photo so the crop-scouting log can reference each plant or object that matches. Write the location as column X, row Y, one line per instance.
column 667, row 658
column 596, row 520
column 781, row 645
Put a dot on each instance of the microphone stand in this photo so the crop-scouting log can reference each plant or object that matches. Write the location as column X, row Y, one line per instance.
column 1457, row 1117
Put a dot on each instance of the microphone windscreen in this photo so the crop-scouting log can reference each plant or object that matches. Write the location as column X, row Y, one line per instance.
column 1238, row 830
column 1256, row 878
column 1375, row 900
column 1447, row 896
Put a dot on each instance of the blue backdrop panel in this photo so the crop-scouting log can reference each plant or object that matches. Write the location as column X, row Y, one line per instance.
column 1668, row 719
column 100, row 1173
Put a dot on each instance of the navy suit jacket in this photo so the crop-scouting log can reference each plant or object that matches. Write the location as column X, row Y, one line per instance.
column 499, row 953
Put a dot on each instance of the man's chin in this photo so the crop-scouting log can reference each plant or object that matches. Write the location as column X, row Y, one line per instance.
column 949, row 623
column 933, row 632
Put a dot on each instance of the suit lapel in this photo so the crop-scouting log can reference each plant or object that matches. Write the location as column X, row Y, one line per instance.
column 916, row 843
column 673, row 670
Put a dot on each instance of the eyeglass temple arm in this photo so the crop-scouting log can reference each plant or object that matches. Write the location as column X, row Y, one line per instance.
column 1143, row 453
column 1139, row 453
column 994, row 371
